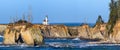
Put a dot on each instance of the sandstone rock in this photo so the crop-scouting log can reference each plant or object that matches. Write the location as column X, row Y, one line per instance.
column 59, row 31
column 27, row 36
column 55, row 31
column 9, row 36
column 37, row 36
column 73, row 31
column 2, row 29
column 87, row 32
column 99, row 31
column 23, row 34
column 84, row 31
column 116, row 32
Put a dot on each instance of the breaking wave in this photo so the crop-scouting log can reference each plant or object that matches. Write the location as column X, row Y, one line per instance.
column 59, row 43
column 79, row 45
column 76, row 38
column 1, row 36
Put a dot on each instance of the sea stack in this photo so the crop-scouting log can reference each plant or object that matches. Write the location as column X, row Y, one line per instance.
column 22, row 32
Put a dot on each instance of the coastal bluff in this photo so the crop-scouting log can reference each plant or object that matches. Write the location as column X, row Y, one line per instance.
column 87, row 32
column 54, row 31
column 34, row 34
column 22, row 32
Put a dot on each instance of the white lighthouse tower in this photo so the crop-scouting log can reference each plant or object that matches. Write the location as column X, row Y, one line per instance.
column 45, row 21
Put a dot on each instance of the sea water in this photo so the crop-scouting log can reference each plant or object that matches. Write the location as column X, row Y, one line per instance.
column 73, row 24
column 63, row 44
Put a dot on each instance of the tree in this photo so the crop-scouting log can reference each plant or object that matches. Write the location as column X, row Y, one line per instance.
column 99, row 21
column 118, row 18
column 114, row 13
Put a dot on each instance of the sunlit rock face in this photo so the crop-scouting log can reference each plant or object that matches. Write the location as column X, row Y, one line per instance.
column 99, row 31
column 116, row 32
column 55, row 31
column 9, row 36
column 19, row 34
column 84, row 31
column 2, row 28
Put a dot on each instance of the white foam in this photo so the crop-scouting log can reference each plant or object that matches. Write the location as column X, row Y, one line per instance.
column 76, row 38
column 88, row 45
column 78, row 45
column 57, row 44
column 1, row 36
column 4, row 45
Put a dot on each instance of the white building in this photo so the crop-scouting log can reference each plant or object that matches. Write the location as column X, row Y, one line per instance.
column 45, row 21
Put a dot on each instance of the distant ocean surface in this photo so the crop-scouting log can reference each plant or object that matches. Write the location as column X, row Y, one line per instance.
column 73, row 24
column 70, row 24
column 64, row 44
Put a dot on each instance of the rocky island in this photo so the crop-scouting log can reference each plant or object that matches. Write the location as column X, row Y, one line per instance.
column 22, row 32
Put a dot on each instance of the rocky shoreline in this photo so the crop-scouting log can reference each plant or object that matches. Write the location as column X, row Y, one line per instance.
column 34, row 34
column 47, row 31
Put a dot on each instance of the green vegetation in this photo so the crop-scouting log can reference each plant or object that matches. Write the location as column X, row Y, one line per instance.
column 99, row 21
column 114, row 15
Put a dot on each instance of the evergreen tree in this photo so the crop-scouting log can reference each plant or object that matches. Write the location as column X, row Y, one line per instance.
column 118, row 18
column 113, row 15
column 99, row 21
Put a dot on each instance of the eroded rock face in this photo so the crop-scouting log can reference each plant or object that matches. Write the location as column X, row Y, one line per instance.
column 2, row 29
column 9, row 36
column 55, row 31
column 116, row 32
column 73, row 31
column 84, row 31
column 99, row 32
column 23, row 34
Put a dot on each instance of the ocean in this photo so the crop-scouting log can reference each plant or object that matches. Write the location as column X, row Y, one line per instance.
column 63, row 44
column 72, row 24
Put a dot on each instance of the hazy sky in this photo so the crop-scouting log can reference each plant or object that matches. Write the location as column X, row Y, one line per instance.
column 58, row 11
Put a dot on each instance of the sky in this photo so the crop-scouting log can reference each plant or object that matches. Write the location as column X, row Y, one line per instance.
column 58, row 11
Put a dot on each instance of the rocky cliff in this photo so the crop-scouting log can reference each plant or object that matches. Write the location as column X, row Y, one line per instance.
column 2, row 28
column 84, row 31
column 33, row 34
column 99, row 32
column 115, row 35
column 19, row 34
column 54, row 30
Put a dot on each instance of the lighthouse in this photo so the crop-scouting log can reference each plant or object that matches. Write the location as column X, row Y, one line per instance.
column 45, row 21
